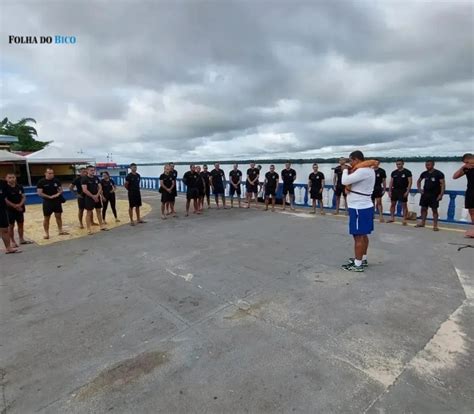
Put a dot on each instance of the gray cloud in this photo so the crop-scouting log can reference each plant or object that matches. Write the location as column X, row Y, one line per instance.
column 194, row 80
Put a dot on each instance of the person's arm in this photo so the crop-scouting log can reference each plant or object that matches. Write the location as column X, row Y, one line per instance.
column 10, row 204
column 126, row 184
column 88, row 193
column 334, row 180
column 100, row 193
column 323, row 182
column 384, row 185
column 309, row 183
column 41, row 193
column 294, row 178
column 355, row 177
column 443, row 187
column 418, row 184
column 71, row 187
column 459, row 173
column 210, row 181
column 114, row 187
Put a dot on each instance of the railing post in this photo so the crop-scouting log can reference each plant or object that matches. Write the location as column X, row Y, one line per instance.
column 452, row 207
column 305, row 195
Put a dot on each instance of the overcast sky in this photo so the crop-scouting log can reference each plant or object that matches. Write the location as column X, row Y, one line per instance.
column 188, row 80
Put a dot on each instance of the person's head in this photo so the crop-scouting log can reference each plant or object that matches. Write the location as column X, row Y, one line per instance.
column 133, row 167
column 252, row 165
column 167, row 168
column 259, row 167
column 90, row 170
column 192, row 167
column 342, row 161
column 11, row 179
column 467, row 157
column 204, row 167
column 315, row 167
column 356, row 157
column 82, row 171
column 288, row 165
column 171, row 165
column 198, row 168
column 399, row 163
column 217, row 165
column 377, row 163
column 236, row 166
column 429, row 164
column 49, row 174
column 105, row 176
column 272, row 168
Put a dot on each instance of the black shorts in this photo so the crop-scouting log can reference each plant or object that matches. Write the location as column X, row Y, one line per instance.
column 378, row 193
column 207, row 190
column 429, row 200
column 218, row 190
column 469, row 199
column 15, row 216
column 174, row 191
column 134, row 199
column 251, row 188
column 192, row 194
column 3, row 218
column 270, row 192
column 316, row 195
column 80, row 203
column 167, row 197
column 90, row 204
column 340, row 190
column 398, row 194
column 288, row 188
column 201, row 192
column 52, row 206
column 233, row 190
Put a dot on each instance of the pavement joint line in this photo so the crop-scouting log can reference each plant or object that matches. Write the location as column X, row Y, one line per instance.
column 467, row 302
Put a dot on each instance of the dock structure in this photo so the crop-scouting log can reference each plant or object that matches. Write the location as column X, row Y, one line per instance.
column 239, row 311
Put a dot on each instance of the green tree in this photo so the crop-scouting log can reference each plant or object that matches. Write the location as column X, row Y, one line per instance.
column 25, row 134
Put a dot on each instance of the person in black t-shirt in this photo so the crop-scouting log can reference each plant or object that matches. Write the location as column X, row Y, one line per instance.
column 431, row 194
column 132, row 185
column 205, row 174
column 251, row 184
column 398, row 190
column 235, row 179
column 467, row 169
column 191, row 179
column 217, row 182
column 316, row 188
column 379, row 189
column 271, row 187
column 4, row 224
column 201, row 188
column 338, row 188
column 170, row 205
column 108, row 193
column 167, row 186
column 76, row 187
column 92, row 190
column 288, row 175
column 15, row 199
column 50, row 190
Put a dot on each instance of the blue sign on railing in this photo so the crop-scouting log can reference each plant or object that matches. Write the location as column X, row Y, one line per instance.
column 302, row 196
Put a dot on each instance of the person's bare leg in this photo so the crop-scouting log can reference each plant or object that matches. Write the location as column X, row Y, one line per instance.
column 80, row 216
column 196, row 206
column 345, row 205
column 284, row 202
column 11, row 234
column 239, row 201
column 102, row 223
column 248, row 200
column 6, row 241
column 266, row 203
column 338, row 202
column 21, row 232
column 130, row 214
column 59, row 222
column 424, row 213
column 393, row 205
column 163, row 210
column 188, row 203
column 139, row 219
column 405, row 213
column 46, row 221
column 360, row 247
column 273, row 203
column 292, row 202
column 321, row 207
column 380, row 209
column 435, row 219
column 89, row 221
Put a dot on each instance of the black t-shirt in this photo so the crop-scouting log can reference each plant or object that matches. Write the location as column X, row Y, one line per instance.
column 77, row 183
column 191, row 179
column 205, row 176
column 380, row 174
column 92, row 184
column 253, row 173
column 14, row 194
column 133, row 181
column 288, row 176
column 235, row 176
column 432, row 183
column 167, row 179
column 338, row 172
column 107, row 186
column 470, row 178
column 400, row 178
column 272, row 179
column 3, row 193
column 49, row 187
column 217, row 177
column 174, row 174
column 316, row 180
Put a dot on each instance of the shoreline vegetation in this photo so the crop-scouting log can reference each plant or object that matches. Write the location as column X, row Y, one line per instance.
column 455, row 158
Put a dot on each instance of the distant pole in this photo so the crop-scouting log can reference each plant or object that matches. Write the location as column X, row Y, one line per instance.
column 28, row 174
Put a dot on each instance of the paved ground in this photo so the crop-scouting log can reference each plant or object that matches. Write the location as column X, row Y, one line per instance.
column 238, row 311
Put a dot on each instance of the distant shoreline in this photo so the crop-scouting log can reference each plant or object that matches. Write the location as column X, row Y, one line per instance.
column 304, row 161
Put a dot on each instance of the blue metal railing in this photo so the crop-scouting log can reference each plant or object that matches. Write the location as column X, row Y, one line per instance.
column 302, row 198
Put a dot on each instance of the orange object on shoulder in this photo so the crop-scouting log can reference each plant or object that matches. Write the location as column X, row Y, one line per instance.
column 362, row 164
